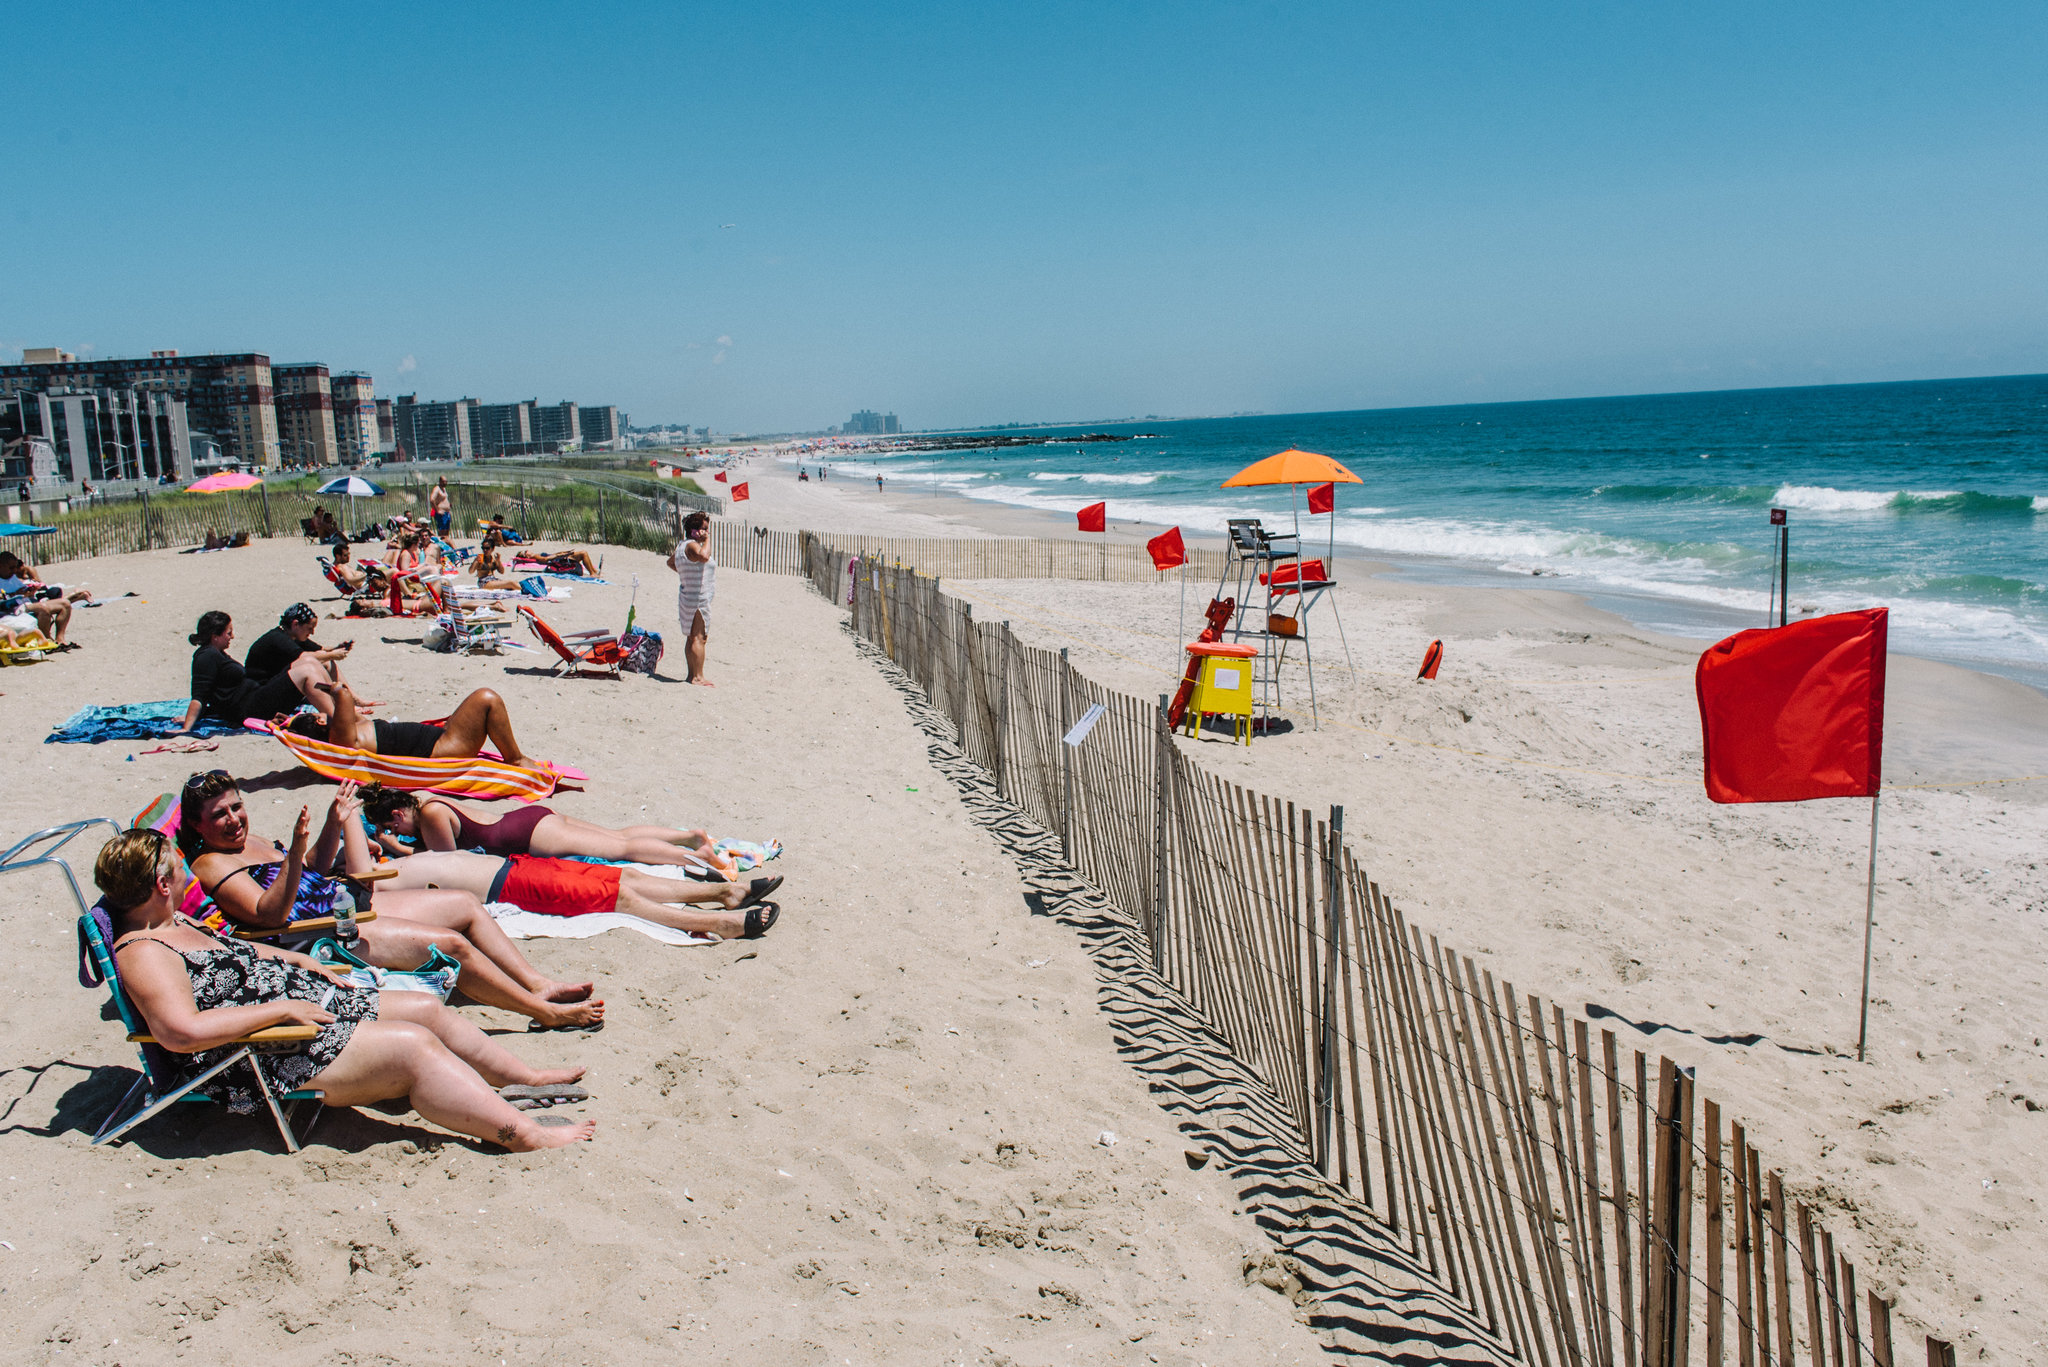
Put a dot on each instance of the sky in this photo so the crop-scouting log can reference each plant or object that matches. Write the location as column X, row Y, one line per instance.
column 761, row 218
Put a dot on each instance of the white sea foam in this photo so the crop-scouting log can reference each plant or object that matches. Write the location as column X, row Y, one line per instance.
column 1063, row 476
column 1819, row 498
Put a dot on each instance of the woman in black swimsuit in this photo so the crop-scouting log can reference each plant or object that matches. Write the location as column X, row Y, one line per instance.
column 439, row 824
column 222, row 690
column 478, row 718
column 199, row 993
column 261, row 885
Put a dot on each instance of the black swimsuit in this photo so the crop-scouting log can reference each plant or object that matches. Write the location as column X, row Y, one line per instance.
column 406, row 739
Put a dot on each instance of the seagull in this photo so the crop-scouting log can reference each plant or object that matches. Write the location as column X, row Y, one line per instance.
column 728, row 225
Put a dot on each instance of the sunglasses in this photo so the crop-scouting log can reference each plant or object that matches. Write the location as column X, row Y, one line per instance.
column 200, row 781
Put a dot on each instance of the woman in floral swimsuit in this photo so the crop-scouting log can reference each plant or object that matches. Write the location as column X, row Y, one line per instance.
column 199, row 993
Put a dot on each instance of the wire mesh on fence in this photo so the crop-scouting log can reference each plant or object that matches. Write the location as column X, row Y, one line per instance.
column 1585, row 1214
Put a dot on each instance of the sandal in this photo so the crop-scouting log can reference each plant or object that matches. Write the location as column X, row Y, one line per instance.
column 760, row 918
column 758, row 891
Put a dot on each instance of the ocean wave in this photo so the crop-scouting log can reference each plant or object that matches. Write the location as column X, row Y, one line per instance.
column 1062, row 476
column 1752, row 494
column 1820, row 498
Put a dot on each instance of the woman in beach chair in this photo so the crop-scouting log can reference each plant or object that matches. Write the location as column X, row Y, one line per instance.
column 439, row 824
column 260, row 886
column 479, row 718
column 200, row 993
column 570, row 887
column 17, row 576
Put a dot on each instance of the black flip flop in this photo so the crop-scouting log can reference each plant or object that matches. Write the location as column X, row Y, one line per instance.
column 760, row 918
column 759, row 890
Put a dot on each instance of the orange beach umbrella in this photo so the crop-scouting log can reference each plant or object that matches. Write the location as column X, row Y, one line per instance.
column 1292, row 467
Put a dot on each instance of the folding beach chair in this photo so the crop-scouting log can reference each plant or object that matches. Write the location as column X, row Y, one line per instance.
column 27, row 649
column 595, row 649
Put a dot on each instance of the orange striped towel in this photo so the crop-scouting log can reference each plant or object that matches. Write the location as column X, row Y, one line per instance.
column 478, row 777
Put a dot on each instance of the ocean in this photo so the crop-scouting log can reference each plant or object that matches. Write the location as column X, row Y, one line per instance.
column 1930, row 497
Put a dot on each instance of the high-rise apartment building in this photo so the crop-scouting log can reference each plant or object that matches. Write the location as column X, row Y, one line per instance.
column 355, row 417
column 496, row 429
column 556, row 426
column 227, row 397
column 387, row 435
column 433, row 431
column 603, row 427
column 102, row 435
column 867, row 422
column 304, row 395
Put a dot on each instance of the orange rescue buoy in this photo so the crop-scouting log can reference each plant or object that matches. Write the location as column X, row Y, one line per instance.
column 1431, row 658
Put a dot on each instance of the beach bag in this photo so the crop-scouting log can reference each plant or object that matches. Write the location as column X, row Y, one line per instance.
column 640, row 650
column 436, row 976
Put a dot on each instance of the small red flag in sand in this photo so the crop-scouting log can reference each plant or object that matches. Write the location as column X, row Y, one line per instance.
column 1094, row 517
column 1795, row 713
column 1323, row 498
column 1167, row 549
column 739, row 493
column 720, row 477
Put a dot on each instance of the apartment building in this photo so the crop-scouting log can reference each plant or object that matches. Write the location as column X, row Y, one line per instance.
column 304, row 396
column 433, row 431
column 387, row 432
column 64, row 436
column 355, row 417
column 498, row 429
column 603, row 427
column 556, row 426
column 228, row 397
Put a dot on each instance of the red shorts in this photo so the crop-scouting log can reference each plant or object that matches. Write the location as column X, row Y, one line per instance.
column 559, row 887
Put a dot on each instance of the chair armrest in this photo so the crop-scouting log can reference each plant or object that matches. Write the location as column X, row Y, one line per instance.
column 316, row 923
column 274, row 1035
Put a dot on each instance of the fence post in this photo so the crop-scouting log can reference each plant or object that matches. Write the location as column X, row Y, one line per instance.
column 1162, row 829
column 1066, row 768
column 1333, row 930
column 600, row 517
column 1003, row 714
column 143, row 521
column 264, row 489
column 1669, row 1319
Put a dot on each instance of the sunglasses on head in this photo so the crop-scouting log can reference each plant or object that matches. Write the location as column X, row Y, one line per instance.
column 199, row 781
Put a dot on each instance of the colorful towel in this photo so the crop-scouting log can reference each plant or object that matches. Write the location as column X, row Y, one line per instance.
column 481, row 777
column 131, row 721
column 747, row 854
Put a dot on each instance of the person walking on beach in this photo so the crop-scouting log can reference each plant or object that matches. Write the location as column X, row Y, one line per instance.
column 438, row 505
column 878, row 484
column 697, row 576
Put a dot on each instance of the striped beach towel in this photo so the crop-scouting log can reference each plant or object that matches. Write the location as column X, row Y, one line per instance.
column 480, row 777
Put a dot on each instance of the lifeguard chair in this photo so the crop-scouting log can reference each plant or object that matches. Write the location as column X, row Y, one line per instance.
column 1275, row 588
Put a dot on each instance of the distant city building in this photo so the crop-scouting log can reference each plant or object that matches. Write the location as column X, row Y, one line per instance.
column 227, row 397
column 355, row 417
column 305, row 413
column 603, row 427
column 497, row 429
column 557, row 426
column 432, row 431
column 869, row 423
column 387, row 440
column 105, row 435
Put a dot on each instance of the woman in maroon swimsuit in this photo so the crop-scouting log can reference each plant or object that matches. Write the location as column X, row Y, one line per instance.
column 439, row 824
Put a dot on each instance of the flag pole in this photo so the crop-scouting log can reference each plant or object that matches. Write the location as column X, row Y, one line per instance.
column 1869, row 920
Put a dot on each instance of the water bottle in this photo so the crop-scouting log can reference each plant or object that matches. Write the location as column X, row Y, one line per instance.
column 345, row 922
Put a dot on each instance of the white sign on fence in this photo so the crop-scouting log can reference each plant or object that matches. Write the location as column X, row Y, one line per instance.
column 1082, row 727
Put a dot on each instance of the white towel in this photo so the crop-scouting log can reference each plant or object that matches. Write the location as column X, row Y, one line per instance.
column 521, row 924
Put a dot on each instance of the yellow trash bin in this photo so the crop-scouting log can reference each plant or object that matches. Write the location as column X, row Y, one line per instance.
column 1224, row 686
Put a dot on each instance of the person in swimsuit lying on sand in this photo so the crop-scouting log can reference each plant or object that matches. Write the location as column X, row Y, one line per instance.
column 439, row 824
column 198, row 993
column 257, row 885
column 569, row 887
column 478, row 718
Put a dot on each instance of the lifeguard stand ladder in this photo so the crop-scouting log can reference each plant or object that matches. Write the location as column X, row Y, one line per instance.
column 1266, row 570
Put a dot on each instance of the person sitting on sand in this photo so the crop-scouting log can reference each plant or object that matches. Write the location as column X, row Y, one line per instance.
column 505, row 534
column 291, row 640
column 222, row 690
column 199, row 993
column 478, row 718
column 439, row 824
column 257, row 884
column 570, row 887
column 489, row 569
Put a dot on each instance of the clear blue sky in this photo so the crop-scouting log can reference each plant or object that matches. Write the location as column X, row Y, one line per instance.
column 984, row 213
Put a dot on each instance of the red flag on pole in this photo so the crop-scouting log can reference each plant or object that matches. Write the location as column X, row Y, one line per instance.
column 739, row 493
column 1094, row 517
column 1323, row 498
column 1795, row 713
column 1167, row 549
column 720, row 477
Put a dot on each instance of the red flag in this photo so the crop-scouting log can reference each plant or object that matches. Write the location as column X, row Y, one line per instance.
column 1094, row 517
column 1323, row 498
column 1167, row 549
column 1797, row 712
column 739, row 493
column 720, row 477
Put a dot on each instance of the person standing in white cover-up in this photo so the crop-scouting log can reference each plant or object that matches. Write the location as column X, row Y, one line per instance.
column 697, row 574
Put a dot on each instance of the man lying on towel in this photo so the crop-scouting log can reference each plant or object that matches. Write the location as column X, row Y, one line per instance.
column 569, row 887
column 461, row 734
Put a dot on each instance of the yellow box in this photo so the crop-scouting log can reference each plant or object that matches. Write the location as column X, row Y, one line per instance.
column 1224, row 687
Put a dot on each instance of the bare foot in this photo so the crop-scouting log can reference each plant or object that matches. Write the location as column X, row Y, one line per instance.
column 527, row 1136
column 551, row 1077
column 537, row 766
column 703, row 683
column 565, row 992
column 574, row 1013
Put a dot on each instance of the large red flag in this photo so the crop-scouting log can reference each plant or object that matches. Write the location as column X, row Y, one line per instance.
column 1167, row 549
column 720, row 477
column 1796, row 712
column 1094, row 517
column 1323, row 498
column 739, row 493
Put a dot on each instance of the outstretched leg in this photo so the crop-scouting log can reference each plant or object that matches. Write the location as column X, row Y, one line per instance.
column 394, row 1058
column 493, row 1062
column 393, row 942
column 461, row 912
column 560, row 836
column 481, row 716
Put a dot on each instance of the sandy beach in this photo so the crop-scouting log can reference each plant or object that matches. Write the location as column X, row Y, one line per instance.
column 873, row 1136
column 1540, row 806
